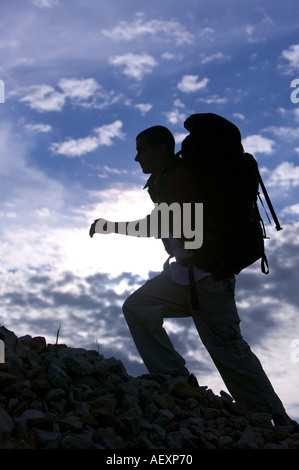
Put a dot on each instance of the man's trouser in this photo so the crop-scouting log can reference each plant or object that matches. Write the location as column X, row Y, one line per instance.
column 217, row 323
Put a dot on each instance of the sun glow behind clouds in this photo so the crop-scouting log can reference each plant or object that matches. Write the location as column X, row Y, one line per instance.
column 118, row 252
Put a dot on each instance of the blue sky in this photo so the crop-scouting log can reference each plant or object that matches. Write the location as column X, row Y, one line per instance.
column 82, row 79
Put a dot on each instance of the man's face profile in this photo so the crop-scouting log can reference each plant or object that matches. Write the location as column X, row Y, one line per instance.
column 147, row 156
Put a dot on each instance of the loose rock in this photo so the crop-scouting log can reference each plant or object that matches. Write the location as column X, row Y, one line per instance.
column 56, row 397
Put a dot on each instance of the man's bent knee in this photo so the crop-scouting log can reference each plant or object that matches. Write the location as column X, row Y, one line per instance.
column 139, row 309
column 129, row 303
column 131, row 307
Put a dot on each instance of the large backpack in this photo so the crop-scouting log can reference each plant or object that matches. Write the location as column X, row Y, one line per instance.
column 229, row 182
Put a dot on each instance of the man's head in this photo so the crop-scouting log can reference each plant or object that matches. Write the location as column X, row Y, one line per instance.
column 155, row 147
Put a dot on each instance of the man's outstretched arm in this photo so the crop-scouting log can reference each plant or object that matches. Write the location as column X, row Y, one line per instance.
column 137, row 228
column 160, row 223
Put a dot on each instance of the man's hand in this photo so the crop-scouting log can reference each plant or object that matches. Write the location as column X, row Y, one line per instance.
column 92, row 229
column 104, row 227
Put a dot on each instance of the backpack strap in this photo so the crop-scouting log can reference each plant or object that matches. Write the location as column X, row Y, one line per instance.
column 277, row 224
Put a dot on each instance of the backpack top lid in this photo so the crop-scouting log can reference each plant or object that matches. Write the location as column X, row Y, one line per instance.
column 213, row 133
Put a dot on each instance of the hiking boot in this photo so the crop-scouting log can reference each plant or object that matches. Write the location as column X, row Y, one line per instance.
column 184, row 387
column 189, row 379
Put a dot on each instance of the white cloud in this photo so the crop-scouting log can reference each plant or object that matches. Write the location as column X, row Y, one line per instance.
column 168, row 30
column 81, row 89
column 108, row 132
column 249, row 29
column 178, row 104
column 190, row 84
column 143, row 108
column 37, row 128
column 27, row 61
column 206, row 31
column 134, row 65
column 252, row 33
column 45, row 3
column 86, row 92
column 103, row 135
column 81, row 92
column 283, row 132
column 76, row 147
column 213, row 99
column 239, row 116
column 111, row 171
column 168, row 56
column 258, row 144
column 292, row 210
column 44, row 98
column 285, row 175
column 218, row 56
column 175, row 116
column 291, row 55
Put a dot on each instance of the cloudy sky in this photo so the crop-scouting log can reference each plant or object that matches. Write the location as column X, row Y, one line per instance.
column 82, row 79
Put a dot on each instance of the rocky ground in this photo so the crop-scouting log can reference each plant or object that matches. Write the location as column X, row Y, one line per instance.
column 57, row 397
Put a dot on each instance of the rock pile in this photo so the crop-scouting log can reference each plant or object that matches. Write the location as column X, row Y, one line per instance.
column 56, row 397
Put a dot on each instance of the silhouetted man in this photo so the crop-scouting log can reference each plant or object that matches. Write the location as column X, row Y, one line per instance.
column 168, row 294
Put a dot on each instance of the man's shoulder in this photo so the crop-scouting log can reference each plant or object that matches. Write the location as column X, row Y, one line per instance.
column 181, row 174
column 177, row 183
column 180, row 186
